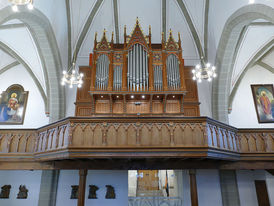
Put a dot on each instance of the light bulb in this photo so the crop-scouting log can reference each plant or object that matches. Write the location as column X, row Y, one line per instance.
column 73, row 71
column 209, row 79
column 214, row 75
column 79, row 85
column 72, row 78
column 208, row 65
column 132, row 96
column 198, row 66
column 64, row 72
column 213, row 68
column 81, row 74
column 199, row 80
column 70, row 86
column 14, row 8
column 194, row 78
column 209, row 73
column 30, row 6
column 193, row 71
column 80, row 81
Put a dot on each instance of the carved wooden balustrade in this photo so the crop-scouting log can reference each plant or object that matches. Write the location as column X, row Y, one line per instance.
column 144, row 137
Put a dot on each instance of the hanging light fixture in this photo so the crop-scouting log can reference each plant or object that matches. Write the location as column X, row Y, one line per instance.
column 16, row 3
column 207, row 72
column 72, row 77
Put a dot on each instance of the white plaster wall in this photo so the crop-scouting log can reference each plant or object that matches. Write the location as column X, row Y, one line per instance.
column 70, row 100
column 31, row 179
column 100, row 178
column 208, row 185
column 270, row 187
column 132, row 183
column 66, row 179
column 246, row 186
column 21, row 41
column 243, row 114
column 205, row 98
column 5, row 59
column 249, row 48
column 35, row 111
column 196, row 11
column 55, row 11
column 177, row 23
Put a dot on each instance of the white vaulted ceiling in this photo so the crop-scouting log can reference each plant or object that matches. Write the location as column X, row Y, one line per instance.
column 69, row 28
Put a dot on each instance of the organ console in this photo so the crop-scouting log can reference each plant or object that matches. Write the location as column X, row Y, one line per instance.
column 136, row 77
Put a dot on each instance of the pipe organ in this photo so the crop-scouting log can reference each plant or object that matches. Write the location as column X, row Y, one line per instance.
column 136, row 77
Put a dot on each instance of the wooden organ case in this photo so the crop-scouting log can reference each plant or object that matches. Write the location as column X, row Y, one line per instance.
column 137, row 78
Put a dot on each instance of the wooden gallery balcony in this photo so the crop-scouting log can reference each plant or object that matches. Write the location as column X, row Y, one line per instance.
column 143, row 138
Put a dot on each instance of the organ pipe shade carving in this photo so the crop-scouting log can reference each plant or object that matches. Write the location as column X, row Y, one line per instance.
column 102, row 72
column 173, row 73
column 137, row 75
column 117, row 78
column 158, row 78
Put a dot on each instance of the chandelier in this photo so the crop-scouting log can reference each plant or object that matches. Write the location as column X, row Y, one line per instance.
column 72, row 77
column 207, row 72
column 16, row 3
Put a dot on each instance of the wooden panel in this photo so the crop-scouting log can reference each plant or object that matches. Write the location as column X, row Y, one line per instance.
column 157, row 107
column 139, row 108
column 83, row 111
column 191, row 110
column 102, row 106
column 117, row 107
column 82, row 93
column 148, row 180
column 261, row 191
column 172, row 106
column 191, row 86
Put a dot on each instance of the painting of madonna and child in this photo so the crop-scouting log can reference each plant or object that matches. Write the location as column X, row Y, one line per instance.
column 13, row 104
column 264, row 102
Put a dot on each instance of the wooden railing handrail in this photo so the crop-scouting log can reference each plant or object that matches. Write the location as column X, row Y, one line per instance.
column 119, row 136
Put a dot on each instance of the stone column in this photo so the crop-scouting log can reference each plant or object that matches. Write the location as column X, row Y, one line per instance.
column 229, row 188
column 48, row 188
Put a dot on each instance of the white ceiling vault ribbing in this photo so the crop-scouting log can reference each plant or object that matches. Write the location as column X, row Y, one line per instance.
column 72, row 25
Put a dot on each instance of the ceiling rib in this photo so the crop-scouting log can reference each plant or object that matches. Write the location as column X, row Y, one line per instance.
column 192, row 29
column 86, row 28
column 116, row 22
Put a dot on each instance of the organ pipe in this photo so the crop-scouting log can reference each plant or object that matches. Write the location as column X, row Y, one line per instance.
column 137, row 68
column 173, row 73
column 102, row 72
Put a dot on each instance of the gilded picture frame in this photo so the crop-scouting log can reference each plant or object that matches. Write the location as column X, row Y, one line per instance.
column 13, row 103
column 263, row 96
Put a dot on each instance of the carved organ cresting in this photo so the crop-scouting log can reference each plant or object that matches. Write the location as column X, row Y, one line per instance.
column 137, row 76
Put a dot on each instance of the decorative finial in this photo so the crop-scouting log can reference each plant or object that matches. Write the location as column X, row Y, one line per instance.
column 179, row 38
column 96, row 36
column 137, row 20
column 112, row 36
column 105, row 31
column 149, row 29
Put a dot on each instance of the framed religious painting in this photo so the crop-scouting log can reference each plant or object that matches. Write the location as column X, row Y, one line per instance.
column 263, row 96
column 13, row 103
